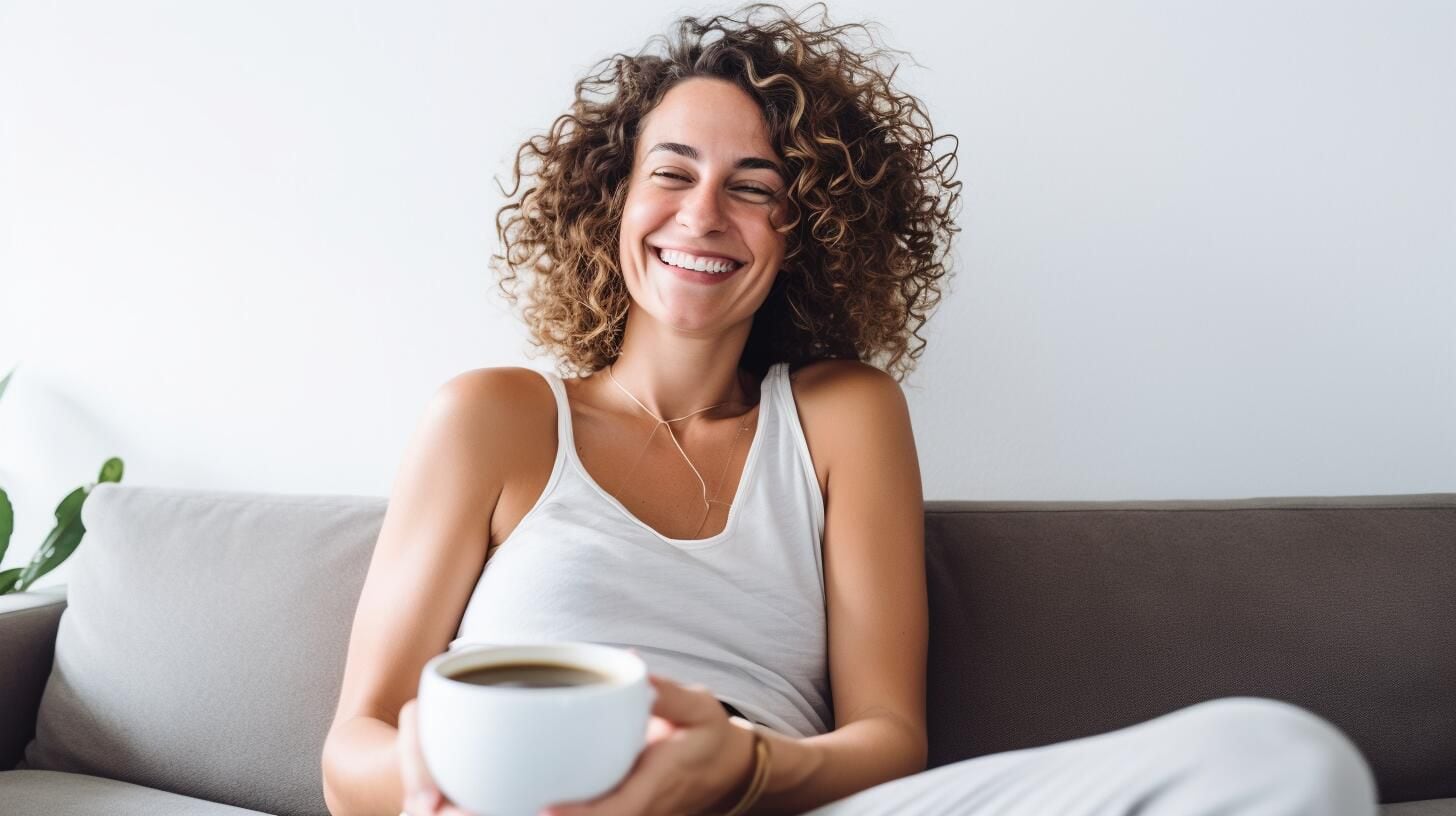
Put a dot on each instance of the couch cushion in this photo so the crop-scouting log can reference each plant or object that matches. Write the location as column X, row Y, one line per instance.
column 203, row 647
column 206, row 634
column 1053, row 621
column 1428, row 807
column 28, row 623
column 33, row 793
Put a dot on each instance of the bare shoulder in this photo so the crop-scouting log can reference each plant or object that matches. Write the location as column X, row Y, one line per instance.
column 511, row 413
column 839, row 402
column 873, row 548
column 497, row 418
column 835, row 376
column 842, row 391
column 499, row 392
column 433, row 539
column 502, row 401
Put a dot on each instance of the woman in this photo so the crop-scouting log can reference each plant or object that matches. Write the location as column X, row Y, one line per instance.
column 725, row 486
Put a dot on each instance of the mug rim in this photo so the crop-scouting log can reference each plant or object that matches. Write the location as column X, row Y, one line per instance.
column 625, row 668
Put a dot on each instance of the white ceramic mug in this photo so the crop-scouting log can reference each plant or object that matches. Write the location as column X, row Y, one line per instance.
column 512, row 751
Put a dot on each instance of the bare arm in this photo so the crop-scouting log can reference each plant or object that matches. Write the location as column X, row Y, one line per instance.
column 429, row 555
column 874, row 571
column 363, row 757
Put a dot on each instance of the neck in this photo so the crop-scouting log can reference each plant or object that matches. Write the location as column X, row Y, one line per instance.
column 677, row 375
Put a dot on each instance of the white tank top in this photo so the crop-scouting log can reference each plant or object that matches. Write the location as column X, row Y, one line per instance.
column 741, row 612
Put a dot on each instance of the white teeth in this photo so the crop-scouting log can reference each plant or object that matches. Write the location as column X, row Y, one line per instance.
column 693, row 262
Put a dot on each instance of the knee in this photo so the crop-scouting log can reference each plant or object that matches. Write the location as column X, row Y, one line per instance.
column 1288, row 753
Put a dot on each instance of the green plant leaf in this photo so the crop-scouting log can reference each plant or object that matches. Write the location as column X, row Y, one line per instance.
column 8, row 579
column 57, row 547
column 7, row 522
column 70, row 506
column 110, row 471
column 62, row 540
column 5, row 382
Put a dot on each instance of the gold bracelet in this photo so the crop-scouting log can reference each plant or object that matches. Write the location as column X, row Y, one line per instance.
column 759, row 781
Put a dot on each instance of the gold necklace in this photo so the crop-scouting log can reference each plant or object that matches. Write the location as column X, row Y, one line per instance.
column 668, row 422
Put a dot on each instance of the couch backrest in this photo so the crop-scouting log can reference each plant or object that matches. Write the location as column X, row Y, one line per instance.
column 204, row 642
column 1057, row 620
column 203, row 646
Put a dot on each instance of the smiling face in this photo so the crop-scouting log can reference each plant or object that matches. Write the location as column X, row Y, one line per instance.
column 703, row 183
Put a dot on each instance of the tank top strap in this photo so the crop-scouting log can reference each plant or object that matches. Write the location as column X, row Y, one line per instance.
column 771, row 400
column 768, row 394
column 564, row 440
column 779, row 392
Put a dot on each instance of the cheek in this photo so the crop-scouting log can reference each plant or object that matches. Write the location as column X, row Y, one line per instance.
column 644, row 208
column 631, row 218
column 636, row 224
column 770, row 244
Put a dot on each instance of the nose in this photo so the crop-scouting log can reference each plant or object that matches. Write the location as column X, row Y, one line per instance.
column 700, row 212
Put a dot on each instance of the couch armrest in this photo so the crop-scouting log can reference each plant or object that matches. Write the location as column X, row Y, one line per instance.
column 28, row 624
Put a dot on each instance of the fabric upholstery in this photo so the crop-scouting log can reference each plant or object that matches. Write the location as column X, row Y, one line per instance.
column 1428, row 807
column 28, row 623
column 1052, row 621
column 33, row 793
column 203, row 647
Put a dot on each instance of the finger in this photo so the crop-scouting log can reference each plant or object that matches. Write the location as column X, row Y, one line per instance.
column 634, row 796
column 420, row 795
column 689, row 705
column 643, row 788
column 659, row 729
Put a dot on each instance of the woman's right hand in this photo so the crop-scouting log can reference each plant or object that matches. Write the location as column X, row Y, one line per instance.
column 421, row 797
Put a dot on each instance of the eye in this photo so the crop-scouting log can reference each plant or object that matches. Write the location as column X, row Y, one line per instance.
column 749, row 188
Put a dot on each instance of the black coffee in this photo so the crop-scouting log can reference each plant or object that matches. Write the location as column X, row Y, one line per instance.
column 531, row 675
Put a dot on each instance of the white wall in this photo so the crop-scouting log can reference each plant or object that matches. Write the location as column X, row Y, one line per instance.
column 1209, row 248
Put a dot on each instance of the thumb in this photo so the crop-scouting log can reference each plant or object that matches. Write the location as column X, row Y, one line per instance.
column 650, row 677
column 420, row 793
column 682, row 704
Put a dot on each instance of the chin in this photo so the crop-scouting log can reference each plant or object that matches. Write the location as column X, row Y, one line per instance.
column 687, row 318
column 690, row 322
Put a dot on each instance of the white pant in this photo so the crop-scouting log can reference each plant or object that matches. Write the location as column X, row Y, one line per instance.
column 1235, row 756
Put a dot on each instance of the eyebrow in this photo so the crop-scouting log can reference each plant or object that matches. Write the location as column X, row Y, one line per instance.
column 746, row 163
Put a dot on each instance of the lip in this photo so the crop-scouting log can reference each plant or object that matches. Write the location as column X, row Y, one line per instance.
column 698, row 252
column 693, row 276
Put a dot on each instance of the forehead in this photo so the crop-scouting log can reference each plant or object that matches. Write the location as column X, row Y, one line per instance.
column 713, row 115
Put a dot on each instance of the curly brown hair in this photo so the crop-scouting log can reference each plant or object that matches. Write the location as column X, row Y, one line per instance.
column 869, row 204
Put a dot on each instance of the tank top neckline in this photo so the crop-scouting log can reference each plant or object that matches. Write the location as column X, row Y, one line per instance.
column 567, row 445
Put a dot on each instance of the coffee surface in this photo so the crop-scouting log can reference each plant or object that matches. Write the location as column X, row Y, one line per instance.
column 531, row 675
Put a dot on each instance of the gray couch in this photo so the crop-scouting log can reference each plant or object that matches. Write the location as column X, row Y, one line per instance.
column 192, row 663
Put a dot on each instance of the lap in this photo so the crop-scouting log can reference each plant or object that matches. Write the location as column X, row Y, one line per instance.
column 1213, row 757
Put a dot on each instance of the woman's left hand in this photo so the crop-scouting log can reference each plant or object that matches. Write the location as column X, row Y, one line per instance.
column 694, row 757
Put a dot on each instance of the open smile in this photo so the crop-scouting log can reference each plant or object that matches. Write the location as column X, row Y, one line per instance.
column 693, row 275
